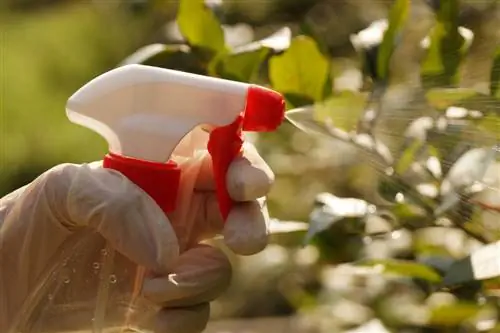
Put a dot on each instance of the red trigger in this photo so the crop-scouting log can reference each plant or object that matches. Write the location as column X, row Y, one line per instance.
column 264, row 111
column 224, row 145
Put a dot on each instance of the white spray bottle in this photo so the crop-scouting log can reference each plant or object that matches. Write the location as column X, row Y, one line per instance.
column 143, row 112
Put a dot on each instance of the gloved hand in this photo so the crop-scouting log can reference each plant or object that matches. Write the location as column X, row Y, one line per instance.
column 37, row 219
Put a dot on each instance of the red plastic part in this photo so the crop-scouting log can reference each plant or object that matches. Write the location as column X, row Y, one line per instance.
column 159, row 180
column 264, row 111
column 224, row 145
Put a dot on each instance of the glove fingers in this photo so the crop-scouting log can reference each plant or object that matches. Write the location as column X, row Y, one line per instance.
column 122, row 213
column 246, row 229
column 200, row 275
column 248, row 177
column 191, row 319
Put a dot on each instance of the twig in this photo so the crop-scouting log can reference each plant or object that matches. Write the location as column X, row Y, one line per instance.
column 478, row 237
column 486, row 206
column 372, row 110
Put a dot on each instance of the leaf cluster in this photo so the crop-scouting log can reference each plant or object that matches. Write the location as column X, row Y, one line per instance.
column 443, row 178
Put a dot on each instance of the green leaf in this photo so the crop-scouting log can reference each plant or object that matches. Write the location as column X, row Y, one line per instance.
column 410, row 215
column 278, row 226
column 277, row 42
column 452, row 315
column 294, row 100
column 442, row 98
column 287, row 233
column 408, row 156
column 491, row 124
column 467, row 171
column 240, row 66
column 199, row 25
column 403, row 268
column 377, row 224
column 331, row 209
column 482, row 264
column 495, row 76
column 244, row 62
column 445, row 50
column 302, row 69
column 343, row 109
column 435, row 257
column 397, row 17
column 372, row 326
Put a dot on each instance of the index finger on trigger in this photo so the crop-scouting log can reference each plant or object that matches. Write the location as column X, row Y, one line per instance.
column 249, row 177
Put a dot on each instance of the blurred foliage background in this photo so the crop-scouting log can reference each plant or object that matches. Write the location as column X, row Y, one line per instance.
column 387, row 169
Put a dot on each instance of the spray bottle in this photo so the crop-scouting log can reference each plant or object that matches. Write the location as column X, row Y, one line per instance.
column 143, row 113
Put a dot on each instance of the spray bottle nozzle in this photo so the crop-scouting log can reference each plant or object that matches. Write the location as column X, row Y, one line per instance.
column 264, row 111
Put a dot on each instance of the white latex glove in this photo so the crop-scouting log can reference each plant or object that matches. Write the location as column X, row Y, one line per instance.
column 69, row 199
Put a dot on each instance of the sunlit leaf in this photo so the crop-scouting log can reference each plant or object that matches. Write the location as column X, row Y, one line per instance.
column 482, row 264
column 442, row 98
column 403, row 268
column 373, row 326
column 199, row 25
column 376, row 224
column 466, row 104
column 467, row 172
column 277, row 42
column 331, row 209
column 240, row 66
column 397, row 17
column 449, row 201
column 491, row 123
column 238, row 34
column 486, row 202
column 489, row 192
column 444, row 53
column 287, row 232
column 452, row 315
column 296, row 100
column 302, row 69
column 409, row 156
column 419, row 128
column 495, row 76
column 409, row 214
column 433, row 164
column 370, row 37
column 243, row 62
column 343, row 109
column 367, row 43
column 277, row 226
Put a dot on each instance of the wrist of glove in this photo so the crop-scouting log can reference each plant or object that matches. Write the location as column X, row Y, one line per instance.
column 38, row 218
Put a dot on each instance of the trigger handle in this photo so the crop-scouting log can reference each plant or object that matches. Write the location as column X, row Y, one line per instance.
column 224, row 145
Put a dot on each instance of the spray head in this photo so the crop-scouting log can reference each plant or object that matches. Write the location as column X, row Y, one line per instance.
column 143, row 112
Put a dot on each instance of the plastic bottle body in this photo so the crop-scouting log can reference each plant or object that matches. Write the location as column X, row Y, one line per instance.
column 89, row 289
